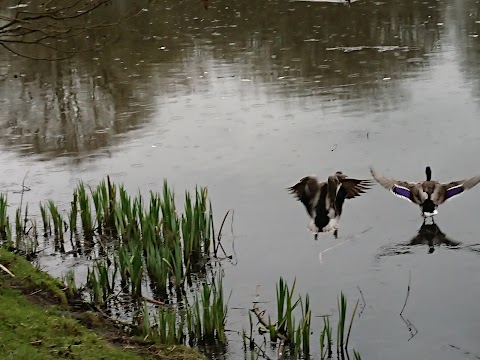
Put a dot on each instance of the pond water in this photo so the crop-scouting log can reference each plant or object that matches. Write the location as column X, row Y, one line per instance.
column 247, row 98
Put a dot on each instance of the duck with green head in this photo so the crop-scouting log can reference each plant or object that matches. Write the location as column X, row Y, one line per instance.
column 427, row 194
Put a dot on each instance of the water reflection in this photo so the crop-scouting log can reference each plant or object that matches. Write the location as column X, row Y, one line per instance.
column 287, row 49
column 429, row 235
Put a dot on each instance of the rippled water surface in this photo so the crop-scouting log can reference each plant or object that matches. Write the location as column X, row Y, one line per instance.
column 248, row 97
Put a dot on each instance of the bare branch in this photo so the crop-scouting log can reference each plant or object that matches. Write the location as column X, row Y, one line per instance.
column 56, row 25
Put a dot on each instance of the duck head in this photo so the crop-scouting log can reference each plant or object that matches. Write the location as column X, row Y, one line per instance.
column 428, row 172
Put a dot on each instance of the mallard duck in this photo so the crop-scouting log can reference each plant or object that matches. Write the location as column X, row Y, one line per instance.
column 324, row 200
column 427, row 194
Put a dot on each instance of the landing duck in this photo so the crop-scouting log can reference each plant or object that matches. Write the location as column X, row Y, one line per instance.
column 427, row 194
column 324, row 200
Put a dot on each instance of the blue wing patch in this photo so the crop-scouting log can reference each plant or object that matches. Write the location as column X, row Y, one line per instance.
column 401, row 191
column 454, row 191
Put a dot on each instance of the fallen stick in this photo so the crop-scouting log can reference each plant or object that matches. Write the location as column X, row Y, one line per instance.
column 6, row 270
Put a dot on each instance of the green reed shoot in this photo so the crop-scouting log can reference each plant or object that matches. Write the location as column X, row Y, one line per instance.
column 304, row 327
column 18, row 228
column 157, row 268
column 4, row 220
column 135, row 269
column 326, row 331
column 285, row 308
column 96, row 290
column 73, row 214
column 101, row 281
column 47, row 229
column 85, row 211
column 70, row 283
column 342, row 313
column 57, row 219
column 97, row 197
column 208, row 314
column 169, row 330
column 356, row 355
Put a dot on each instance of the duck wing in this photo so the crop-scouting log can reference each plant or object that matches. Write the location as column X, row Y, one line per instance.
column 354, row 187
column 448, row 190
column 402, row 189
column 307, row 190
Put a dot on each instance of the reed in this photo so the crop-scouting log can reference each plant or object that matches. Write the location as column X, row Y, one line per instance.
column 285, row 308
column 356, row 355
column 101, row 281
column 47, row 229
column 73, row 214
column 4, row 219
column 326, row 351
column 206, row 321
column 304, row 327
column 18, row 228
column 85, row 211
column 70, row 283
column 342, row 313
column 57, row 220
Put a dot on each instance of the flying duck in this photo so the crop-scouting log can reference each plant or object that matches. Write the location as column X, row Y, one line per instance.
column 427, row 194
column 324, row 200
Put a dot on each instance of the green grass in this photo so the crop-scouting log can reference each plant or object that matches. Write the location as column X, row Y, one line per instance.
column 36, row 322
column 22, row 323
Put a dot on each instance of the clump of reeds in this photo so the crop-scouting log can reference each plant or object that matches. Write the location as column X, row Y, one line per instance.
column 101, row 281
column 70, row 283
column 47, row 229
column 85, row 211
column 206, row 317
column 295, row 335
column 57, row 220
column 168, row 328
column 5, row 232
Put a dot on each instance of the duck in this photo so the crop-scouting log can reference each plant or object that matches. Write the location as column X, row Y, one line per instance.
column 324, row 200
column 429, row 194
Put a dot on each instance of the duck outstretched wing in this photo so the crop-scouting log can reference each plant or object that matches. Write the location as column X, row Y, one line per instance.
column 354, row 187
column 307, row 191
column 449, row 190
column 401, row 189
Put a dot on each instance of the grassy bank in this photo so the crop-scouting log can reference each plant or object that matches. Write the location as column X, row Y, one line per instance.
column 36, row 322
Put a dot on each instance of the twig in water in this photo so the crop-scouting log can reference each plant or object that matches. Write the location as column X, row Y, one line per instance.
column 364, row 305
column 24, row 188
column 408, row 291
column 411, row 328
column 153, row 301
column 343, row 242
column 261, row 351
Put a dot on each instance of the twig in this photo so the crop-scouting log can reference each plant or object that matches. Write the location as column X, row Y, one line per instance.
column 6, row 270
column 23, row 188
column 408, row 291
column 153, row 301
column 343, row 242
column 264, row 322
column 411, row 328
column 219, row 238
column 262, row 352
column 364, row 305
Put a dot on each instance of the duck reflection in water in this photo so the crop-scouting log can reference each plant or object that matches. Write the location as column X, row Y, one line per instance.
column 428, row 234
column 431, row 235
